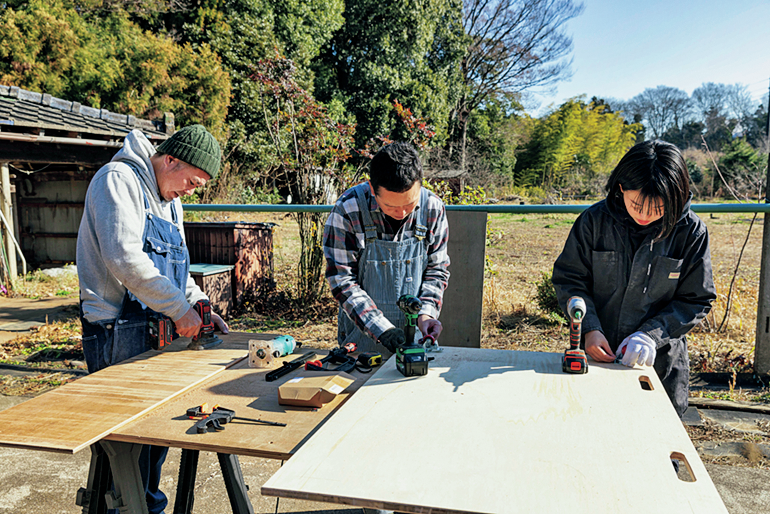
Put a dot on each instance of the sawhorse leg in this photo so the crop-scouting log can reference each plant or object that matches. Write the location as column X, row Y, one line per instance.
column 185, row 489
column 92, row 497
column 128, row 495
column 231, row 472
column 236, row 487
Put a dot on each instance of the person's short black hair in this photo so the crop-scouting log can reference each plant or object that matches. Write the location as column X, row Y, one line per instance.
column 657, row 170
column 395, row 167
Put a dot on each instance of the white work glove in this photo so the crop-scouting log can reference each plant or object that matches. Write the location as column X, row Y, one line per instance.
column 638, row 348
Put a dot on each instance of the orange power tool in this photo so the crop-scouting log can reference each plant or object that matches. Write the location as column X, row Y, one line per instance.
column 574, row 360
column 206, row 338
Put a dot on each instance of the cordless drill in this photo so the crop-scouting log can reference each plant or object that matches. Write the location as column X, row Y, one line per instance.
column 574, row 360
column 410, row 358
column 205, row 338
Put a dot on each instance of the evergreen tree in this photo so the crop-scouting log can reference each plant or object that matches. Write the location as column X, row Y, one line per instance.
column 107, row 61
column 387, row 50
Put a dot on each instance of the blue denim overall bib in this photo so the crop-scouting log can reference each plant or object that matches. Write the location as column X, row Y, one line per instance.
column 109, row 342
column 386, row 270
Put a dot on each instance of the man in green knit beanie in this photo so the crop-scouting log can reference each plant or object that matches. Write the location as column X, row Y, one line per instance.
column 132, row 259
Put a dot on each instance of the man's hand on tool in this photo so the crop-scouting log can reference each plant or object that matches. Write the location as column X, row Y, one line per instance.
column 598, row 348
column 429, row 326
column 639, row 349
column 189, row 324
column 219, row 322
column 392, row 339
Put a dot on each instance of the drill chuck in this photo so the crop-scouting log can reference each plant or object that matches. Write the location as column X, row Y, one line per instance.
column 576, row 308
column 409, row 304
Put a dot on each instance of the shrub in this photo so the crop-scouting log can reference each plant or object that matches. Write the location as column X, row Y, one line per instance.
column 546, row 295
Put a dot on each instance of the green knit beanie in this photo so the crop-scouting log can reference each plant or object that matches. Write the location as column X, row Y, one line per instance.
column 195, row 146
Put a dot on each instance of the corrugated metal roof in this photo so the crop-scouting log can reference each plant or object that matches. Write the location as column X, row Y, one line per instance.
column 21, row 108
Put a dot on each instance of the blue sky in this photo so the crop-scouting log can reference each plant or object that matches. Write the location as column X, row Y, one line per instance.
column 622, row 47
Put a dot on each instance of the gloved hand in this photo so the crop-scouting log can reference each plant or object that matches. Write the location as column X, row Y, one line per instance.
column 638, row 348
column 392, row 339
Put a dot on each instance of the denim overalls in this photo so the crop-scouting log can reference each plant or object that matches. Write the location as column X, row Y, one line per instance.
column 386, row 270
column 109, row 342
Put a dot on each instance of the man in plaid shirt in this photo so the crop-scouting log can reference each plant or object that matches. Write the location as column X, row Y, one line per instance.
column 385, row 238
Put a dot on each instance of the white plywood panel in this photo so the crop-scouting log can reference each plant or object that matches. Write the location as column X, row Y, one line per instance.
column 501, row 431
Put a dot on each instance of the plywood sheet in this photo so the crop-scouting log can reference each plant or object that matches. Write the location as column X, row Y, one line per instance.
column 75, row 415
column 245, row 391
column 501, row 431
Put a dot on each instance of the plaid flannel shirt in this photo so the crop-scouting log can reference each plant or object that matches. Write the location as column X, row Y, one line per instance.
column 344, row 240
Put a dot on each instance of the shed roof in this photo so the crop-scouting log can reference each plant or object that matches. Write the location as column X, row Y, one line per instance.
column 21, row 109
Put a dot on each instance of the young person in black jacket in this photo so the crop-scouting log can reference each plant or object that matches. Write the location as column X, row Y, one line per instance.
column 641, row 261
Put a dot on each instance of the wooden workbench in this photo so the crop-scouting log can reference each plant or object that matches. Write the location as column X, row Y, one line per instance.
column 244, row 390
column 501, row 431
column 144, row 400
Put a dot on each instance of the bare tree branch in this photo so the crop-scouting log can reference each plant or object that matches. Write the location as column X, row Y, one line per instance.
column 514, row 45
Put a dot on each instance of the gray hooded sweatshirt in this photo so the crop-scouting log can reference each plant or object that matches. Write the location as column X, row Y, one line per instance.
column 110, row 256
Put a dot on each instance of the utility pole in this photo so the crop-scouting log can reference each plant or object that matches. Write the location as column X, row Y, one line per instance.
column 762, row 341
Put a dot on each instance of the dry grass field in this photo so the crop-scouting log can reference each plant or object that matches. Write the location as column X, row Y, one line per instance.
column 522, row 247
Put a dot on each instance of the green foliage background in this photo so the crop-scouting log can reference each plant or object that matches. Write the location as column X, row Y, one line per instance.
column 109, row 62
column 356, row 59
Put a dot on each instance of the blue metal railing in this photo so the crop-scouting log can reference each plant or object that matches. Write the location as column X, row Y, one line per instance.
column 512, row 209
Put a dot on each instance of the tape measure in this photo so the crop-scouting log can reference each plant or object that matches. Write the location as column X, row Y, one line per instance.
column 367, row 360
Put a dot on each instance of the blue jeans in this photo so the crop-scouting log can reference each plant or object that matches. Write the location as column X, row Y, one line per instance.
column 109, row 342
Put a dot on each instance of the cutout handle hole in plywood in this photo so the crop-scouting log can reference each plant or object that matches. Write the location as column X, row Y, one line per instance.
column 682, row 467
column 645, row 382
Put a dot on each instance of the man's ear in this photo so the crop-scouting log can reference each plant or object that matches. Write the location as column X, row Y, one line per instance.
column 172, row 163
column 371, row 188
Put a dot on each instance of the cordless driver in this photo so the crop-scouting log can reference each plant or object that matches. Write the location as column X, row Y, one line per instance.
column 410, row 358
column 574, row 360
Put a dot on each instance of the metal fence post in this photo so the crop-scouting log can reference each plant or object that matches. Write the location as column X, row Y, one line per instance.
column 762, row 339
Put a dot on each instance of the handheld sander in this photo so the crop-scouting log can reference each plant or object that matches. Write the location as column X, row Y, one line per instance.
column 574, row 360
column 206, row 338
column 410, row 358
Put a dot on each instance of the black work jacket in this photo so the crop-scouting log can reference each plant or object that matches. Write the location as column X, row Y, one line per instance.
column 664, row 288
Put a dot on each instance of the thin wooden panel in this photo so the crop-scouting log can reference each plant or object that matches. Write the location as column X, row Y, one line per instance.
column 501, row 431
column 245, row 391
column 75, row 415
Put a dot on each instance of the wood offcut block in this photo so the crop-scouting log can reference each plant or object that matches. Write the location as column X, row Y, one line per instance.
column 495, row 431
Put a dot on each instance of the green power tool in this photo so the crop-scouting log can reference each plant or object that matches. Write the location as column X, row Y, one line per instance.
column 410, row 358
